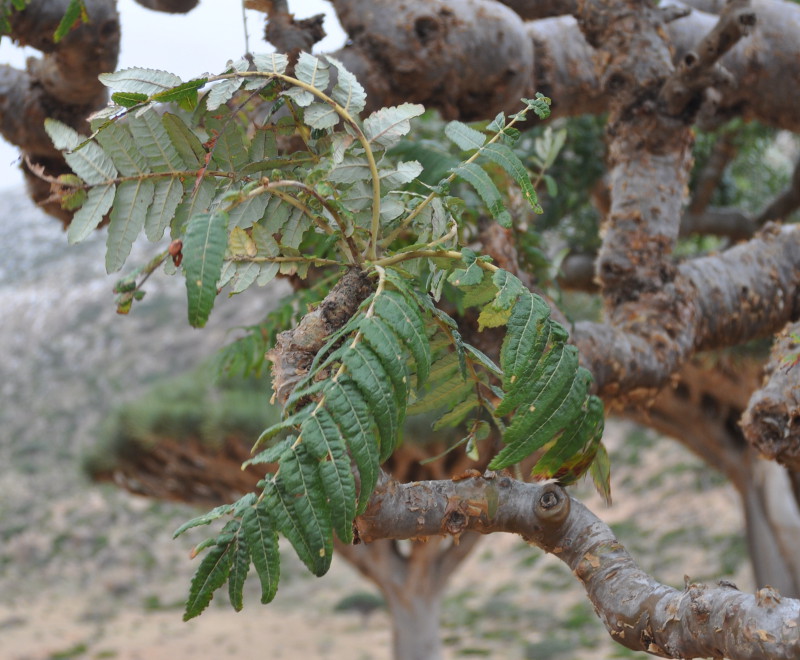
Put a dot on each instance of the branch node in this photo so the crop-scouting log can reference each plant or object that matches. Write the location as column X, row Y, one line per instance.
column 552, row 506
column 767, row 597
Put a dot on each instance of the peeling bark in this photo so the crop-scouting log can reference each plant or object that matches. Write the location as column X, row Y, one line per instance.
column 639, row 612
column 295, row 349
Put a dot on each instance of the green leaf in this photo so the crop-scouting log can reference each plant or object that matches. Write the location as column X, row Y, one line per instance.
column 91, row 164
column 508, row 160
column 556, row 407
column 446, row 393
column 203, row 254
column 168, row 193
column 484, row 360
column 271, row 62
column 405, row 172
column 347, row 92
column 127, row 220
column 205, row 519
column 262, row 540
column 350, row 170
column 575, row 449
column 222, row 91
column 153, row 140
column 62, row 136
column 509, row 289
column 229, row 152
column 184, row 140
column 456, row 415
column 407, row 323
column 383, row 341
column 324, row 440
column 600, row 469
column 312, row 71
column 298, row 505
column 470, row 276
column 195, row 200
column 536, row 357
column 240, row 565
column 180, row 93
column 250, row 211
column 71, row 201
column 386, row 126
column 352, row 415
column 76, row 11
column 525, row 338
column 129, row 99
column 89, row 161
column 91, row 214
column 488, row 192
column 320, row 116
column 140, row 81
column 465, row 137
column 117, row 142
column 365, row 369
column 210, row 575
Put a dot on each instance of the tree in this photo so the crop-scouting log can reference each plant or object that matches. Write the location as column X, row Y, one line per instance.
column 656, row 72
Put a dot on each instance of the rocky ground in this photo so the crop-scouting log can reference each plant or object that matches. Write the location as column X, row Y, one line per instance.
column 88, row 571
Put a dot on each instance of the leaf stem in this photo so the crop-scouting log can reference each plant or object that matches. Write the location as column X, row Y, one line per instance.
column 407, row 220
column 430, row 254
column 317, row 261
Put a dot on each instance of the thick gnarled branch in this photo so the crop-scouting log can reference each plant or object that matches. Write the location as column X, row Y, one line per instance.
column 771, row 422
column 638, row 611
column 715, row 301
column 62, row 84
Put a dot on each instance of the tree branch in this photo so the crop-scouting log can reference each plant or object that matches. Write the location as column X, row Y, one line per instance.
column 639, row 612
column 415, row 51
column 170, row 6
column 772, row 419
column 62, row 84
column 649, row 339
column 648, row 152
column 699, row 68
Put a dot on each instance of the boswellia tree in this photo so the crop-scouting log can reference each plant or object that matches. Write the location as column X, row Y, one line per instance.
column 425, row 255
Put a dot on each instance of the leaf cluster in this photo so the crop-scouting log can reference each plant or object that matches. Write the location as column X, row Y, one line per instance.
column 257, row 173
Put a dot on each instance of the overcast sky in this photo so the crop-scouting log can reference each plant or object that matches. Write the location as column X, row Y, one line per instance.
column 188, row 45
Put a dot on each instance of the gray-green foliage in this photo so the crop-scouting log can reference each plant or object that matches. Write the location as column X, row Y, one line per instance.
column 268, row 174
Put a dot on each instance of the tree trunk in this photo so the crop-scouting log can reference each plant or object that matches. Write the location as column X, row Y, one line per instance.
column 415, row 623
column 412, row 576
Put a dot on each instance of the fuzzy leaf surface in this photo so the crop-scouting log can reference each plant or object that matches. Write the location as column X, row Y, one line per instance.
column 90, row 215
column 140, row 81
column 127, row 220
